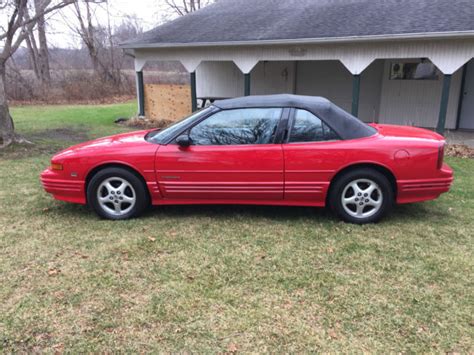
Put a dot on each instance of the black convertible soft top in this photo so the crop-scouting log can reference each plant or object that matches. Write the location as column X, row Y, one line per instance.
column 345, row 125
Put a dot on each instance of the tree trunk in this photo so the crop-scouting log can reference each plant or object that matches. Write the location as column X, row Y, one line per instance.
column 95, row 60
column 31, row 45
column 7, row 128
column 43, row 53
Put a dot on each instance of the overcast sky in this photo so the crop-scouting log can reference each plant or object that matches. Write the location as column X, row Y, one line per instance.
column 150, row 13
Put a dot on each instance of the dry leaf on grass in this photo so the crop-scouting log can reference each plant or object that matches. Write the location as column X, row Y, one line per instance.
column 232, row 348
column 459, row 150
column 79, row 254
column 145, row 123
column 53, row 272
column 332, row 334
column 58, row 348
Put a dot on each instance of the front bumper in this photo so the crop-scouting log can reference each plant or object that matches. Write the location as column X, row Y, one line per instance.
column 63, row 189
column 425, row 189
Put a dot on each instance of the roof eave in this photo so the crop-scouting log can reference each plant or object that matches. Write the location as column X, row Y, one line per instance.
column 300, row 41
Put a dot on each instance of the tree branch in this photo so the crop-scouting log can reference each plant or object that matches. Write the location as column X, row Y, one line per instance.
column 21, row 22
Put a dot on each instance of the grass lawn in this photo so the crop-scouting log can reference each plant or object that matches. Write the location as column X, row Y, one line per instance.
column 217, row 279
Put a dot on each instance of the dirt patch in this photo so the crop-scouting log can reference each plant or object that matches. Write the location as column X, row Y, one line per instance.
column 460, row 151
column 49, row 141
column 60, row 134
column 20, row 151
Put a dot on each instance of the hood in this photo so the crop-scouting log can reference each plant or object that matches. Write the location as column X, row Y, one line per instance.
column 101, row 145
column 406, row 132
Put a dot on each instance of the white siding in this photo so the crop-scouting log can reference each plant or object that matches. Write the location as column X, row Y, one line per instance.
column 332, row 80
column 448, row 54
column 408, row 102
column 219, row 79
column 273, row 78
column 224, row 79
column 417, row 102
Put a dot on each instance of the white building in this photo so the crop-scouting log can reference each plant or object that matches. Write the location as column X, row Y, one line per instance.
column 389, row 61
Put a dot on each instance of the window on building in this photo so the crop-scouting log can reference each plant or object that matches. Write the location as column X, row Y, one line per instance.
column 424, row 70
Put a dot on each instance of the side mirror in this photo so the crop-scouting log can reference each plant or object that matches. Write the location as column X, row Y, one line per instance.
column 184, row 141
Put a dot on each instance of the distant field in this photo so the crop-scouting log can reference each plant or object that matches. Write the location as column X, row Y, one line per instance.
column 84, row 86
column 151, row 75
column 224, row 279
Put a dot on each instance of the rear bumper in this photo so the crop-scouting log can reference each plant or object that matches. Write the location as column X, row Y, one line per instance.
column 62, row 189
column 425, row 189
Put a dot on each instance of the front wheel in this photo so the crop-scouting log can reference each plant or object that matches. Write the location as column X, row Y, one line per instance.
column 116, row 193
column 361, row 196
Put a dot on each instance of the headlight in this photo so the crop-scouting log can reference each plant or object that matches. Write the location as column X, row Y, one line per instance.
column 56, row 166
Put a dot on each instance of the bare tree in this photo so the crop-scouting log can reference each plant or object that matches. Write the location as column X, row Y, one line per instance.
column 38, row 49
column 18, row 25
column 86, row 30
column 97, row 39
column 184, row 7
column 129, row 28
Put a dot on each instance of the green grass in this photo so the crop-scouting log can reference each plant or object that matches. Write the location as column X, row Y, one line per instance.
column 216, row 279
column 97, row 119
column 54, row 127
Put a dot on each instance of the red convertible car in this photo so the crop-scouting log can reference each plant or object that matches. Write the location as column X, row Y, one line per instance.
column 266, row 150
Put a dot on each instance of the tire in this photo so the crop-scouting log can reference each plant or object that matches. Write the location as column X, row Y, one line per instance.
column 117, row 193
column 361, row 196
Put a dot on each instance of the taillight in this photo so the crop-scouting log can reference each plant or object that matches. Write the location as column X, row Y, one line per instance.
column 440, row 155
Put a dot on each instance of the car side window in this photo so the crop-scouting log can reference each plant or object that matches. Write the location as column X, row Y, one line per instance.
column 309, row 128
column 237, row 127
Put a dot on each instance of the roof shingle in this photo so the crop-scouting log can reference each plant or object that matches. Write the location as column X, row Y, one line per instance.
column 262, row 20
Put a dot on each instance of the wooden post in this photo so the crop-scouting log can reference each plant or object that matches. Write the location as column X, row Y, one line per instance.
column 247, row 84
column 355, row 94
column 443, row 109
column 193, row 92
column 141, row 94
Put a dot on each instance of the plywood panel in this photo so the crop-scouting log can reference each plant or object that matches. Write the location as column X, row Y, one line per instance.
column 167, row 102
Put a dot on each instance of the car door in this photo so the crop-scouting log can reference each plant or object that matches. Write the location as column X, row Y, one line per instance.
column 311, row 154
column 232, row 157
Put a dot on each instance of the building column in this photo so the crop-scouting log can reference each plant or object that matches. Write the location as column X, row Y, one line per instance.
column 247, row 84
column 141, row 94
column 443, row 109
column 193, row 92
column 355, row 94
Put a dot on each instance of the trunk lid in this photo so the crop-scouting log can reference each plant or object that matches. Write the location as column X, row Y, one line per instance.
column 406, row 132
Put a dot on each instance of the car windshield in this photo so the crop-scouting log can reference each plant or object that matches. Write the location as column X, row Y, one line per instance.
column 162, row 136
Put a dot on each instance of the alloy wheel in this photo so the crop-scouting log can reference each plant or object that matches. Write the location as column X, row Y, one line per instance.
column 116, row 196
column 362, row 198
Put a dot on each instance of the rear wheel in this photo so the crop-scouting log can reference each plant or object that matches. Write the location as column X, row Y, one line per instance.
column 361, row 196
column 116, row 193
